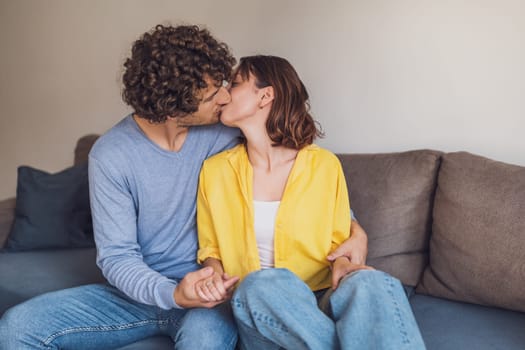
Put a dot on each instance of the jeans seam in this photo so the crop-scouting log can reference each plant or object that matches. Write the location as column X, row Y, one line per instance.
column 402, row 329
column 275, row 324
column 66, row 331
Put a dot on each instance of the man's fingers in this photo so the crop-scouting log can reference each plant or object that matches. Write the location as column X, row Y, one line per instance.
column 338, row 252
column 335, row 280
column 358, row 260
column 200, row 274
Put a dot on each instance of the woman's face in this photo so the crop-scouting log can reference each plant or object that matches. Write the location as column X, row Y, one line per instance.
column 244, row 103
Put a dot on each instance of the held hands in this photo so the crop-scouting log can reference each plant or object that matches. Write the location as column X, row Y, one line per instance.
column 188, row 292
column 216, row 288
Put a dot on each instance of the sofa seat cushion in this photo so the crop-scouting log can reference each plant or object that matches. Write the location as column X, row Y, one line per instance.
column 153, row 343
column 392, row 195
column 478, row 235
column 24, row 275
column 446, row 325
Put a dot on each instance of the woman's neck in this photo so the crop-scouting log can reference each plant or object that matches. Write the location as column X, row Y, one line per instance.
column 266, row 157
column 261, row 152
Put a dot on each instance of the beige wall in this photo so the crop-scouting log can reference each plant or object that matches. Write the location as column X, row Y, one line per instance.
column 383, row 75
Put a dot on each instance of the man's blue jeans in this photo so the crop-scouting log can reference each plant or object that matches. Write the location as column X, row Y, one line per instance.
column 101, row 317
column 274, row 309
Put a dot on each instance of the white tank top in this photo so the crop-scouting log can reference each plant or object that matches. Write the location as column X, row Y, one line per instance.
column 264, row 225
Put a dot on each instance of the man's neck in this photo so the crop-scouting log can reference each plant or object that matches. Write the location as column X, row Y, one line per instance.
column 168, row 135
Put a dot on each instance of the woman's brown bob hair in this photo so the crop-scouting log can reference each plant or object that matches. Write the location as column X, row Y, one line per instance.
column 290, row 123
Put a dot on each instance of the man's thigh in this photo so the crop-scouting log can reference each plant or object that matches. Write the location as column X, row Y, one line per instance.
column 95, row 316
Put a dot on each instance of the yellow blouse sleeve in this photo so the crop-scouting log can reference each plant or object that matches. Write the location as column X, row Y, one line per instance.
column 341, row 228
column 208, row 246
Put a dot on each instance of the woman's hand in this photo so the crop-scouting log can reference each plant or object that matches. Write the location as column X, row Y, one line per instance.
column 343, row 266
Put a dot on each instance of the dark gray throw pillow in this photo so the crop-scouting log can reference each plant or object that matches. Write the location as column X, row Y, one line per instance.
column 52, row 210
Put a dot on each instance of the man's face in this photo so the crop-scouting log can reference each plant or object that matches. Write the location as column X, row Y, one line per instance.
column 212, row 99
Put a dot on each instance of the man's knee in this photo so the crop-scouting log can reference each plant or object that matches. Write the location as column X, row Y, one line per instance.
column 15, row 326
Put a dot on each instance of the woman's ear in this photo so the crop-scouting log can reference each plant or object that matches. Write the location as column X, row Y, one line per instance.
column 267, row 96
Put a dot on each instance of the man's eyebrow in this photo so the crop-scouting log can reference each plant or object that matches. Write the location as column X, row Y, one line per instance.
column 209, row 98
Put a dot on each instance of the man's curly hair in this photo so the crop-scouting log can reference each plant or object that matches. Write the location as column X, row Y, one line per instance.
column 168, row 67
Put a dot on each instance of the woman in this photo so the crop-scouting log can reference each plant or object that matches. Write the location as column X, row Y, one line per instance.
column 270, row 211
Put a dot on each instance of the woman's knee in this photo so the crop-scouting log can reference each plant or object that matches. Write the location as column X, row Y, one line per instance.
column 265, row 282
column 367, row 279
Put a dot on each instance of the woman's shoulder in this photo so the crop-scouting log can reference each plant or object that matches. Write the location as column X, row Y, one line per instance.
column 319, row 154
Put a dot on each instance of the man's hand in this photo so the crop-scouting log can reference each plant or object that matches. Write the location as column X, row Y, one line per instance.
column 342, row 267
column 354, row 248
column 216, row 288
column 186, row 294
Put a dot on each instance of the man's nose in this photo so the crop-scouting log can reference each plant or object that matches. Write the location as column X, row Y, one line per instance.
column 223, row 96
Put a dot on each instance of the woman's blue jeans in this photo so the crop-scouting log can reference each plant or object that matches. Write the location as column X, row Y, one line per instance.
column 274, row 309
column 101, row 317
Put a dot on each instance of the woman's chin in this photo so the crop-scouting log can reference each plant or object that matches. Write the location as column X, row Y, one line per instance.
column 225, row 121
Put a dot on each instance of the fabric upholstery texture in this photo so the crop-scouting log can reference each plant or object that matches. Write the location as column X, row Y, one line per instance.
column 446, row 324
column 83, row 147
column 7, row 215
column 52, row 210
column 477, row 248
column 391, row 195
column 24, row 275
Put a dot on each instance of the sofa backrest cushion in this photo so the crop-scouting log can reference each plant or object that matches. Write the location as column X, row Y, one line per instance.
column 477, row 248
column 392, row 195
column 83, row 147
column 7, row 215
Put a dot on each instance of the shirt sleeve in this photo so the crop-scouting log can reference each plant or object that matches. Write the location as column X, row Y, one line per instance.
column 226, row 138
column 208, row 246
column 118, row 251
column 341, row 226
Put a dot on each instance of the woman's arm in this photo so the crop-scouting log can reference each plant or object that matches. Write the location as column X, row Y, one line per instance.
column 217, row 287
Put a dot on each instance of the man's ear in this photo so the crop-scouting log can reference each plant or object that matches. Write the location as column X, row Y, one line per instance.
column 267, row 96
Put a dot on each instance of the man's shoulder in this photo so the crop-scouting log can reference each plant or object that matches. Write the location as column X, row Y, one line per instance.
column 214, row 138
column 215, row 131
column 118, row 137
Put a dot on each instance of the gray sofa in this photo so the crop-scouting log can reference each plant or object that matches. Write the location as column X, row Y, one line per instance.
column 450, row 226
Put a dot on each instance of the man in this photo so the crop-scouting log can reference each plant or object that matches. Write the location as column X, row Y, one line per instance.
column 143, row 177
